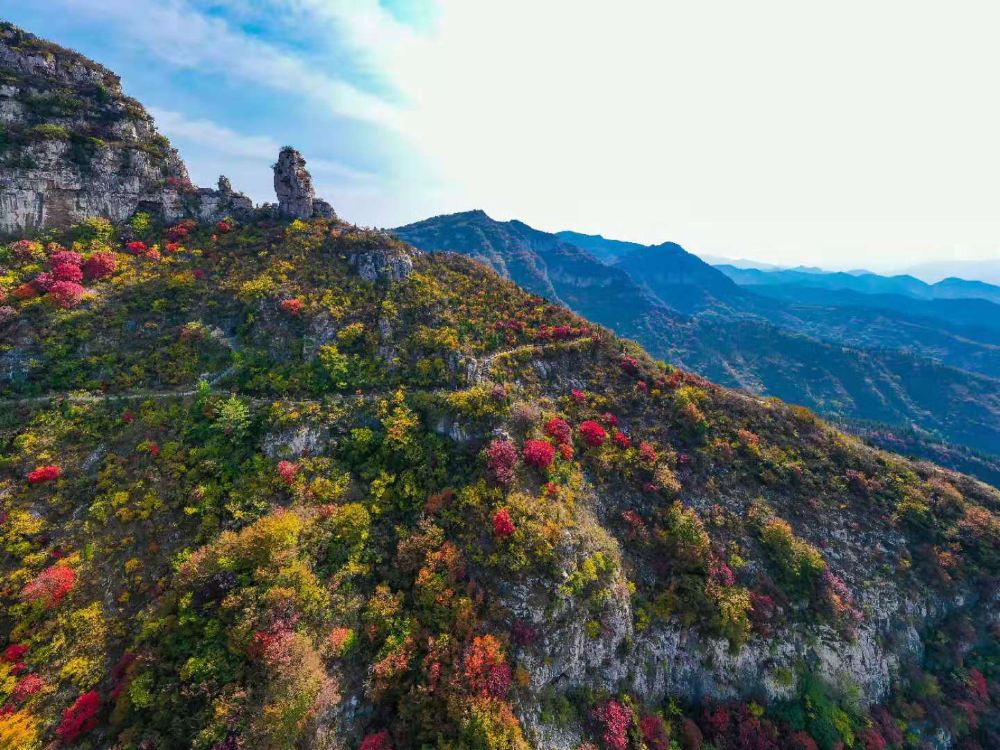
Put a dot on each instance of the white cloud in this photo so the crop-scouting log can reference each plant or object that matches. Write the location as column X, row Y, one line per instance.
column 227, row 142
column 224, row 141
column 176, row 33
column 784, row 129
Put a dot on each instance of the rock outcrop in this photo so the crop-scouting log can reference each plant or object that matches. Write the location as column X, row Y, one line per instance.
column 75, row 146
column 293, row 186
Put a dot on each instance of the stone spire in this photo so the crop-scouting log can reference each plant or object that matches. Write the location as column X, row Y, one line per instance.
column 293, row 185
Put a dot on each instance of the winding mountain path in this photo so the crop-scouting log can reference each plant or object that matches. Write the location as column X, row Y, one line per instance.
column 479, row 370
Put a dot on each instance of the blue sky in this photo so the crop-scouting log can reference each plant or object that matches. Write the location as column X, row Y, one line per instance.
column 854, row 134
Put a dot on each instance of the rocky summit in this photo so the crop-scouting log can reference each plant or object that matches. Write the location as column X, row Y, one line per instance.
column 271, row 480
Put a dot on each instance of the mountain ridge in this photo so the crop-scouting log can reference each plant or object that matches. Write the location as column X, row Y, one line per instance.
column 749, row 341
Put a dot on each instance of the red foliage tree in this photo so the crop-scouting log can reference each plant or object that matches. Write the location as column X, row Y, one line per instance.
column 654, row 733
column 615, row 720
column 26, row 687
column 486, row 670
column 871, row 739
column 503, row 527
column 887, row 726
column 629, row 365
column 721, row 573
column 65, row 257
column 287, row 471
column 66, row 294
column 178, row 232
column 136, row 247
column 579, row 396
column 647, row 452
column 566, row 451
column 293, row 306
column 25, row 291
column 79, row 718
column 42, row 282
column 223, row 226
column 978, row 688
column 501, row 460
column 621, row 440
column 99, row 266
column 44, row 474
column 717, row 721
column 592, row 433
column 559, row 430
column 539, row 453
column 14, row 652
column 67, row 272
column 50, row 586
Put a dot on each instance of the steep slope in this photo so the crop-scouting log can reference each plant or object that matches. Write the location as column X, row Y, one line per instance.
column 752, row 342
column 543, row 264
column 296, row 484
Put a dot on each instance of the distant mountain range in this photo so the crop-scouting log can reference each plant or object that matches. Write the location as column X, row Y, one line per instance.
column 894, row 351
column 984, row 270
column 867, row 283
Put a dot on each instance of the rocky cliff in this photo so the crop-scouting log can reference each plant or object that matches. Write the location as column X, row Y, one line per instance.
column 73, row 146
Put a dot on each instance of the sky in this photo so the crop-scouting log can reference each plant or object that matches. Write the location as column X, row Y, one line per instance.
column 841, row 135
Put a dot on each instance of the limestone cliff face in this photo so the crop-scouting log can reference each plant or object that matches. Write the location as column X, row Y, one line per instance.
column 72, row 146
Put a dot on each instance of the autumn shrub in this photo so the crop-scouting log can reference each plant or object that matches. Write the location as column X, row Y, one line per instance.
column 592, row 433
column 293, row 306
column 629, row 365
column 27, row 250
column 26, row 687
column 501, row 462
column 799, row 563
column 485, row 667
column 28, row 290
column 65, row 257
column 18, row 729
column 99, row 266
column 14, row 652
column 654, row 732
column 559, row 430
column 539, row 453
column 66, row 294
column 287, row 471
column 44, row 474
column 79, row 718
column 67, row 272
column 503, row 527
column 42, row 282
column 50, row 586
column 615, row 721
